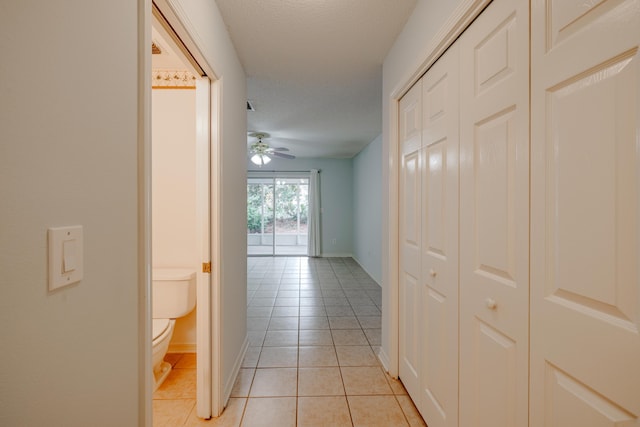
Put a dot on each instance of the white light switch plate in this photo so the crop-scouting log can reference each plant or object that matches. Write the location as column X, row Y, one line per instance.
column 65, row 256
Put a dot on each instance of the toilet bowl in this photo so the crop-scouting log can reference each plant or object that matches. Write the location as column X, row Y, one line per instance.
column 173, row 296
column 162, row 333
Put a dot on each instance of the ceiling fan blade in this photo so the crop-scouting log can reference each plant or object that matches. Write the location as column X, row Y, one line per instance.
column 279, row 149
column 282, row 155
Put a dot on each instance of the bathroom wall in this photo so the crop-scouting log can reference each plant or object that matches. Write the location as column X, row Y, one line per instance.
column 174, row 215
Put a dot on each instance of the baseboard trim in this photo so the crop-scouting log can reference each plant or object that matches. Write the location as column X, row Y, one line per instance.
column 330, row 255
column 366, row 271
column 383, row 358
column 228, row 387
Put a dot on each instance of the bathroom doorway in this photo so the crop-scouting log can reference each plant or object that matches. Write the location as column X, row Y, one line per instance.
column 182, row 100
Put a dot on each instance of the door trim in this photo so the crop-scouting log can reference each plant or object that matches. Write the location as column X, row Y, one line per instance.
column 203, row 211
column 460, row 19
column 210, row 398
column 145, row 372
column 218, row 398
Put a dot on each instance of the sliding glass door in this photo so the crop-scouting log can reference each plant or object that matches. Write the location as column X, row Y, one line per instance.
column 277, row 215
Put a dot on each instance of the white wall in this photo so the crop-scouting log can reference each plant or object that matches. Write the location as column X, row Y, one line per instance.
column 336, row 199
column 406, row 56
column 367, row 208
column 202, row 18
column 68, row 155
column 174, row 214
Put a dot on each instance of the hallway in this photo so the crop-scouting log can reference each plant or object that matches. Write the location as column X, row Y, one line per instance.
column 314, row 330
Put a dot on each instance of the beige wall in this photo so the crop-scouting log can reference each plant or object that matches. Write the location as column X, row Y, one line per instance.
column 68, row 156
column 173, row 170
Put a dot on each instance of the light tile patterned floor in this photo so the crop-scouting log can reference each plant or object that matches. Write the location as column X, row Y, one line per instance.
column 314, row 331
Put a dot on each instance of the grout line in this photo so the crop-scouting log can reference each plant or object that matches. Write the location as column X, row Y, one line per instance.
column 345, row 281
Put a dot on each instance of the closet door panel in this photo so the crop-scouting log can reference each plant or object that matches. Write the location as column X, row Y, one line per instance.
column 439, row 400
column 494, row 217
column 410, row 123
column 585, row 299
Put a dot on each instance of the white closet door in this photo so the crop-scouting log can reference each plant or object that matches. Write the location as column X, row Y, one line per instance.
column 410, row 240
column 494, row 217
column 439, row 398
column 585, row 299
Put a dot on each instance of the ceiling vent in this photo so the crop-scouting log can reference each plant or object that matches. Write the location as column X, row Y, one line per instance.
column 250, row 106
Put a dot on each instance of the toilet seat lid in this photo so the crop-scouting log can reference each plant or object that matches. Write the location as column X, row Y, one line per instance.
column 159, row 326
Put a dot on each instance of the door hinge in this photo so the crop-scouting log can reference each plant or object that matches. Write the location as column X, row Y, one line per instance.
column 206, row 267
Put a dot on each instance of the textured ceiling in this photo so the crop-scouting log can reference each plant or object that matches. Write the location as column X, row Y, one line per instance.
column 314, row 69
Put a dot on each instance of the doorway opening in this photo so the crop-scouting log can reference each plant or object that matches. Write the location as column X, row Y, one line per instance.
column 277, row 215
column 181, row 175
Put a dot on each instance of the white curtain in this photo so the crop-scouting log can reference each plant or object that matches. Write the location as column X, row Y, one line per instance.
column 314, row 213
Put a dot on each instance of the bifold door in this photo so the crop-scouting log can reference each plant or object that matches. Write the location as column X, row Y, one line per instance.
column 410, row 240
column 494, row 217
column 438, row 400
column 549, row 220
column 585, row 300
column 429, row 242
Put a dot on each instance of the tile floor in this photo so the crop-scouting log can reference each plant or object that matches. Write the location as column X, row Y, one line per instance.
column 314, row 331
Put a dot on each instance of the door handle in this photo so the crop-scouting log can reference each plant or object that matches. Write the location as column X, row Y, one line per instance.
column 491, row 304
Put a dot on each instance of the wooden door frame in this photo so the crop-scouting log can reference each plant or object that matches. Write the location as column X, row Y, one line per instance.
column 204, row 328
column 210, row 306
column 458, row 21
column 145, row 376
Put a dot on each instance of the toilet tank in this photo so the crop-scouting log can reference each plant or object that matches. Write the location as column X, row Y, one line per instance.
column 173, row 293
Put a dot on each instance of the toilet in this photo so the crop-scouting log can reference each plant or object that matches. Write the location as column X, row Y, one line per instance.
column 174, row 296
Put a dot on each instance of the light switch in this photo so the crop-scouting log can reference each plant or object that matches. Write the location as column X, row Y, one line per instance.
column 69, row 255
column 65, row 256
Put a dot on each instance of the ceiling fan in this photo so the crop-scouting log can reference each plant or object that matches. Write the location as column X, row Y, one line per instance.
column 261, row 150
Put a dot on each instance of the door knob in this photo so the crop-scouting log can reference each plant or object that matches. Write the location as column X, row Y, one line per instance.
column 432, row 272
column 491, row 303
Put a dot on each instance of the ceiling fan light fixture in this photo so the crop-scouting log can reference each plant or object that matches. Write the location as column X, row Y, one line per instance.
column 260, row 159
